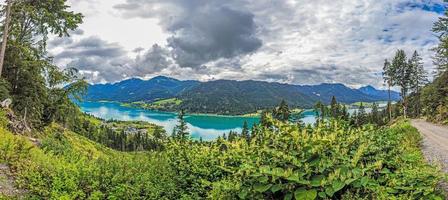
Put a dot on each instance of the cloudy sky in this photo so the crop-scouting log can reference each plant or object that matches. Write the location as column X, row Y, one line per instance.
column 291, row 41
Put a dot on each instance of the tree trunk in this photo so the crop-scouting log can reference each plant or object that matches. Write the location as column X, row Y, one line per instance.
column 389, row 103
column 405, row 106
column 418, row 99
column 403, row 96
column 5, row 35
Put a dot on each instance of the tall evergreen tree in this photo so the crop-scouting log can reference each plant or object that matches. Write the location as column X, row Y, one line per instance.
column 401, row 76
column 344, row 113
column 441, row 57
column 281, row 112
column 362, row 115
column 388, row 73
column 181, row 129
column 418, row 79
column 334, row 107
column 375, row 115
column 245, row 132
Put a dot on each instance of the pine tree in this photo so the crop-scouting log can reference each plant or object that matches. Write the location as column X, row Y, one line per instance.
column 375, row 118
column 334, row 107
column 282, row 112
column 345, row 115
column 362, row 116
column 387, row 76
column 401, row 76
column 441, row 57
column 418, row 79
column 245, row 132
column 181, row 129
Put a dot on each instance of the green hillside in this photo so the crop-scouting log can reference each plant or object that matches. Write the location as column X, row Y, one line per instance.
column 240, row 97
column 330, row 161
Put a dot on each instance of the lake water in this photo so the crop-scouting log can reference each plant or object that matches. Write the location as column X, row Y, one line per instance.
column 206, row 126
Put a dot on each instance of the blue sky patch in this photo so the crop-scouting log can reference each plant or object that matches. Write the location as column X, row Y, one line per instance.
column 429, row 6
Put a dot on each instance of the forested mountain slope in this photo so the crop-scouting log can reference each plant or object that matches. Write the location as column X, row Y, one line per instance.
column 230, row 96
column 239, row 97
column 134, row 89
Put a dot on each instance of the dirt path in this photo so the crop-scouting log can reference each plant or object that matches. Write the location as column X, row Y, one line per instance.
column 435, row 142
column 7, row 188
column 435, row 145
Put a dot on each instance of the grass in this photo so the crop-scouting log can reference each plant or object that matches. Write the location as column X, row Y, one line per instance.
column 174, row 101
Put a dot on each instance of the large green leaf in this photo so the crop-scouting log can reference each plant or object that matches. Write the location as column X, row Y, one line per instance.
column 322, row 194
column 316, row 180
column 262, row 187
column 338, row 185
column 364, row 181
column 288, row 196
column 276, row 187
column 329, row 191
column 242, row 194
column 297, row 179
column 278, row 171
column 263, row 179
column 303, row 194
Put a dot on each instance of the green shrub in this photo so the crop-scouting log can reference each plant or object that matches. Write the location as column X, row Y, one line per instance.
column 331, row 161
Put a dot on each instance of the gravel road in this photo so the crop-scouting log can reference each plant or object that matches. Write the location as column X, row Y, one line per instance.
column 435, row 142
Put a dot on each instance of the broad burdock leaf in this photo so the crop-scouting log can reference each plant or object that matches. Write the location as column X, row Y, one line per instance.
column 338, row 185
column 276, row 188
column 303, row 194
column 316, row 180
column 262, row 187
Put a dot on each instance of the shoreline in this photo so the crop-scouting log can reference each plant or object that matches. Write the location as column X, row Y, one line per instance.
column 131, row 105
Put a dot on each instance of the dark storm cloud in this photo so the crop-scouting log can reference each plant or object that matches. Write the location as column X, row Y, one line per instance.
column 105, row 61
column 92, row 47
column 94, row 55
column 153, row 60
column 202, row 31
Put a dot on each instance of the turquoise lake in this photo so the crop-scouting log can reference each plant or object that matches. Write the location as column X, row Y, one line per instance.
column 199, row 125
column 206, row 126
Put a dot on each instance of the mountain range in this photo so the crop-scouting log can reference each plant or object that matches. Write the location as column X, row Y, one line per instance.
column 230, row 96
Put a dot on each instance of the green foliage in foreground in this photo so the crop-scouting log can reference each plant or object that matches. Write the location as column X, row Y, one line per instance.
column 283, row 161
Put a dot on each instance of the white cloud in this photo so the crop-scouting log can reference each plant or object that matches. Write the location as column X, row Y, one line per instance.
column 303, row 42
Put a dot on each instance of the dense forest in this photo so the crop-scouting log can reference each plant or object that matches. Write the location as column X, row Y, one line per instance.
column 226, row 97
column 54, row 151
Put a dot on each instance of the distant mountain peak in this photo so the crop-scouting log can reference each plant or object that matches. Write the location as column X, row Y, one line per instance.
column 160, row 77
column 382, row 94
column 367, row 87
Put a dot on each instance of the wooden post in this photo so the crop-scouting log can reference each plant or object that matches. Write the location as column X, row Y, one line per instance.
column 5, row 34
